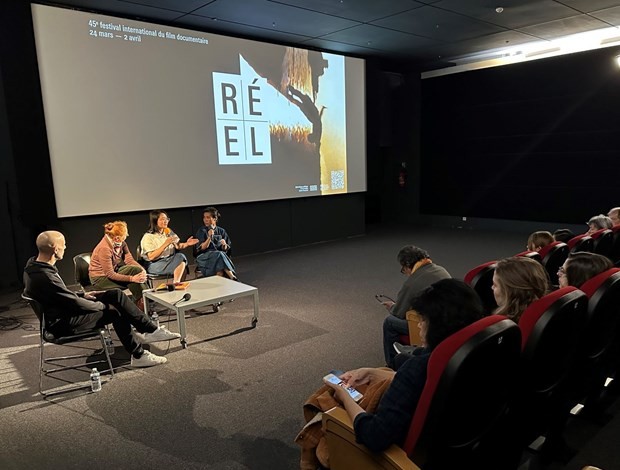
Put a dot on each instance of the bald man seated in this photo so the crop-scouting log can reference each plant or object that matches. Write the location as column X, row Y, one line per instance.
column 67, row 313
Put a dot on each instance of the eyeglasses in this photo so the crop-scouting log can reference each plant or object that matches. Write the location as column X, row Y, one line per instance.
column 561, row 271
column 164, row 219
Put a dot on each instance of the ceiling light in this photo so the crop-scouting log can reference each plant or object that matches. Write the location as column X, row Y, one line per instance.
column 499, row 10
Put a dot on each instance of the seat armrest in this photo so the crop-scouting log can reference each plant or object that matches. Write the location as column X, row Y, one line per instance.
column 413, row 318
column 345, row 453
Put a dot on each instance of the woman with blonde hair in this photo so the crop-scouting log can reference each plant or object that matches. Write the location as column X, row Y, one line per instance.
column 112, row 265
column 517, row 282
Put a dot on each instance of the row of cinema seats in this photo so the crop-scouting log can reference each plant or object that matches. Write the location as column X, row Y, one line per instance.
column 591, row 356
column 605, row 242
column 495, row 386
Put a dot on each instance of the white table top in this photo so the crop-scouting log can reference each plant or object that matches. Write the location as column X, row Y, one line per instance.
column 204, row 291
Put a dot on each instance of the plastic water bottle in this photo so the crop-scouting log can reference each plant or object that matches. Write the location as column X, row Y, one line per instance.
column 109, row 344
column 95, row 380
column 155, row 319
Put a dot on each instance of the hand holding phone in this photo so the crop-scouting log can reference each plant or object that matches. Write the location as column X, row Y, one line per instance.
column 331, row 378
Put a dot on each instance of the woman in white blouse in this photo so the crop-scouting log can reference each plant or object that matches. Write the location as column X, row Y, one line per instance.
column 159, row 245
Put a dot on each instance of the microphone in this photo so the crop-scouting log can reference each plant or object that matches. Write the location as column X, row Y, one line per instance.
column 185, row 297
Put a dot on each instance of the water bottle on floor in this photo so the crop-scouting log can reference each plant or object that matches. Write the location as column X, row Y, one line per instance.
column 109, row 344
column 155, row 319
column 95, row 380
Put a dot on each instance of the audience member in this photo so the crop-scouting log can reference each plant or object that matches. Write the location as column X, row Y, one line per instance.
column 212, row 247
column 563, row 235
column 582, row 266
column 67, row 313
column 445, row 307
column 598, row 222
column 421, row 272
column 159, row 246
column 538, row 240
column 517, row 282
column 112, row 265
column 614, row 215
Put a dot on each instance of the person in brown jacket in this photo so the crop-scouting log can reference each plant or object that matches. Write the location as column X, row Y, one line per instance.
column 112, row 265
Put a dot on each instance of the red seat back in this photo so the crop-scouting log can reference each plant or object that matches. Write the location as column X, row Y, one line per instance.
column 615, row 249
column 481, row 279
column 581, row 242
column 470, row 381
column 603, row 316
column 553, row 256
column 535, row 255
column 549, row 338
column 603, row 240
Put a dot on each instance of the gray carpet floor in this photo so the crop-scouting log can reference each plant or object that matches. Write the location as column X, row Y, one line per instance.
column 232, row 400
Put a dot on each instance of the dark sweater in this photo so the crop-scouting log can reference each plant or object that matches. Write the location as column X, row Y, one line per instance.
column 390, row 424
column 43, row 283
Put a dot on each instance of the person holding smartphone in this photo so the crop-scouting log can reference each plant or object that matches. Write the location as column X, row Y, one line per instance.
column 421, row 272
column 212, row 248
column 445, row 307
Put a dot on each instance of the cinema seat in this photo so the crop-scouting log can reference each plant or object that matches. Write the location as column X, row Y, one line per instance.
column 481, row 279
column 549, row 331
column 535, row 255
column 615, row 249
column 583, row 242
column 603, row 242
column 553, row 256
column 471, row 379
column 597, row 334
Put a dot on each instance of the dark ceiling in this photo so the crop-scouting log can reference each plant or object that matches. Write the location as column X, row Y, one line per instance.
column 426, row 33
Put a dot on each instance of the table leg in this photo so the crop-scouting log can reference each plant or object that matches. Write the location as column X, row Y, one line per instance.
column 181, row 323
column 255, row 317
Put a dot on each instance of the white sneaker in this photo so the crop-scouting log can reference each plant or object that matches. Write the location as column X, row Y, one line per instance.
column 148, row 359
column 160, row 334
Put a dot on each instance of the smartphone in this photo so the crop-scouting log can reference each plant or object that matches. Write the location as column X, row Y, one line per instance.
column 383, row 298
column 357, row 396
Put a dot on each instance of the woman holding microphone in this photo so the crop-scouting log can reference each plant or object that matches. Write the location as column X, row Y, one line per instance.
column 159, row 245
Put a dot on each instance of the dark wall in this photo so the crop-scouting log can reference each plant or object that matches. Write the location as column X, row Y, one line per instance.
column 393, row 128
column 532, row 141
column 28, row 205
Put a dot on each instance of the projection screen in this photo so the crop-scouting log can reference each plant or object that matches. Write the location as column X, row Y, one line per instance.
column 141, row 116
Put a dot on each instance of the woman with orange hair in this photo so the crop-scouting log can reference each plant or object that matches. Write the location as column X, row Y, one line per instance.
column 112, row 265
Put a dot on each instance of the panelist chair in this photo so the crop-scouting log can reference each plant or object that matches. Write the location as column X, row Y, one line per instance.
column 481, row 279
column 47, row 338
column 81, row 263
column 470, row 382
column 151, row 279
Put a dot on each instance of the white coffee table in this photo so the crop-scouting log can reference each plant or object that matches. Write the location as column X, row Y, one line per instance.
column 204, row 291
